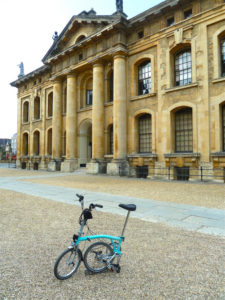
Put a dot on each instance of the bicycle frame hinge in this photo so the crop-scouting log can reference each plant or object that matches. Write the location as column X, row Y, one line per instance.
column 122, row 238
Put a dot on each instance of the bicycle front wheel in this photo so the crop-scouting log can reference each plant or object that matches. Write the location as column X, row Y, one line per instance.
column 96, row 257
column 67, row 263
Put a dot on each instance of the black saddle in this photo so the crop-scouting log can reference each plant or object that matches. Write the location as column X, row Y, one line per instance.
column 130, row 207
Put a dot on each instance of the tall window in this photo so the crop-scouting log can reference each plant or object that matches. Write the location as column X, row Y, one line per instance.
column 183, row 130
column 223, row 126
column 111, row 87
column 65, row 100
column 145, row 134
column 36, row 143
column 88, row 97
column 222, row 47
column 26, row 111
column 37, row 105
column 111, row 139
column 25, row 144
column 144, row 78
column 50, row 141
column 50, row 104
column 183, row 69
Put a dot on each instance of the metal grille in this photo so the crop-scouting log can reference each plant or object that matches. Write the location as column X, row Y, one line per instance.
column 223, row 57
column 111, row 140
column 145, row 134
column 181, row 173
column 144, row 78
column 223, row 125
column 183, row 131
column 183, row 68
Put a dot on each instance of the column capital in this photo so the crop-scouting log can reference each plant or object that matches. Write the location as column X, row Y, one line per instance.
column 97, row 63
column 71, row 75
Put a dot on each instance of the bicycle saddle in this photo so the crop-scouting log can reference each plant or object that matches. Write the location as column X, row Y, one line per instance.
column 130, row 207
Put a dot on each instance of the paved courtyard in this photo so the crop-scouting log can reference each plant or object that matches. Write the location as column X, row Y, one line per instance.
column 174, row 249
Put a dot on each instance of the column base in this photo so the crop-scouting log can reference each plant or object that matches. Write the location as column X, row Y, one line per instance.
column 118, row 167
column 96, row 167
column 69, row 165
column 18, row 163
column 54, row 165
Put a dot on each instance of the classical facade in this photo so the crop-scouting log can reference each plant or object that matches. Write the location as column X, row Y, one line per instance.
column 117, row 94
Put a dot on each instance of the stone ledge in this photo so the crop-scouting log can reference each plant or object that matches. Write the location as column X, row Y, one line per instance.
column 217, row 154
column 178, row 88
column 221, row 79
column 140, row 97
column 151, row 155
column 184, row 154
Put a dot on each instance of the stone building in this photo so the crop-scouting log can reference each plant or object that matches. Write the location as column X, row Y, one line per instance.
column 119, row 95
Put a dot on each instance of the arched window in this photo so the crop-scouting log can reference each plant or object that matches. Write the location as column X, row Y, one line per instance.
column 144, row 78
column 36, row 143
column 183, row 68
column 222, row 51
column 183, row 130
column 25, row 144
column 145, row 133
column 111, row 139
column 50, row 104
column 49, row 149
column 26, row 111
column 37, row 108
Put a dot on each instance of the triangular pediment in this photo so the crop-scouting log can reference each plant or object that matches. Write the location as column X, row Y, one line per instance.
column 79, row 28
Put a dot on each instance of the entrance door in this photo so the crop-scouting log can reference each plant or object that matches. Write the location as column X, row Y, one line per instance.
column 85, row 141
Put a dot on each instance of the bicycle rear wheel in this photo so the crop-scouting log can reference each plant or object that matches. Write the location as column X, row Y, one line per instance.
column 67, row 263
column 96, row 256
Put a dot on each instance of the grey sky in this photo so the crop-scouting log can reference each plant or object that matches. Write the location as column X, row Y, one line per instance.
column 27, row 28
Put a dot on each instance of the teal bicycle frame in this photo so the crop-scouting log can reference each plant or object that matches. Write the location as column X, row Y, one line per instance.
column 116, row 246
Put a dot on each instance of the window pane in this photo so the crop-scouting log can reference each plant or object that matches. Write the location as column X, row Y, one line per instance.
column 145, row 134
column 183, row 130
column 223, row 57
column 144, row 78
column 183, row 68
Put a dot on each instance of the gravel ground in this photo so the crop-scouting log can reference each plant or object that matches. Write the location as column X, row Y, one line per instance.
column 199, row 194
column 158, row 263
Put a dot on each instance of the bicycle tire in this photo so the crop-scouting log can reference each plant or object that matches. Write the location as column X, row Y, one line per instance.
column 94, row 256
column 76, row 255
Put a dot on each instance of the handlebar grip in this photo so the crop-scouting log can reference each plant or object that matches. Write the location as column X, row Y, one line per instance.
column 81, row 197
column 98, row 205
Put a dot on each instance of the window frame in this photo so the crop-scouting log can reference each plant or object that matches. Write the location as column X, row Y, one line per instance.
column 222, row 56
column 223, row 127
column 186, row 71
column 89, row 95
column 144, row 68
column 186, row 131
column 146, row 135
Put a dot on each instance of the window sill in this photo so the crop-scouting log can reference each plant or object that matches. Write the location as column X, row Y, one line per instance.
column 221, row 79
column 25, row 123
column 182, row 154
column 178, row 88
column 85, row 108
column 218, row 154
column 152, row 155
column 48, row 118
column 140, row 97
column 36, row 120
column 109, row 103
column 108, row 156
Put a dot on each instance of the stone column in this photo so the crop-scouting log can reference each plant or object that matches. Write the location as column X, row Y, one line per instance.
column 70, row 164
column 19, row 136
column 97, row 165
column 119, row 162
column 56, row 126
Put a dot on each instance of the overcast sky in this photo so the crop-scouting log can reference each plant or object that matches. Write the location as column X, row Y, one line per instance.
column 26, row 30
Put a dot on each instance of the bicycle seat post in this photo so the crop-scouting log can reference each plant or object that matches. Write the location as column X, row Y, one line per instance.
column 125, row 224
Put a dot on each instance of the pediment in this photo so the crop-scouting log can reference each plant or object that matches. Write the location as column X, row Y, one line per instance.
column 78, row 29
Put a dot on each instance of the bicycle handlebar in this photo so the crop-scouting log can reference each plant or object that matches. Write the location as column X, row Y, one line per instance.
column 91, row 206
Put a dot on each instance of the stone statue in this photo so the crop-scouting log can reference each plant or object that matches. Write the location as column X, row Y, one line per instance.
column 21, row 66
column 55, row 36
column 119, row 5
